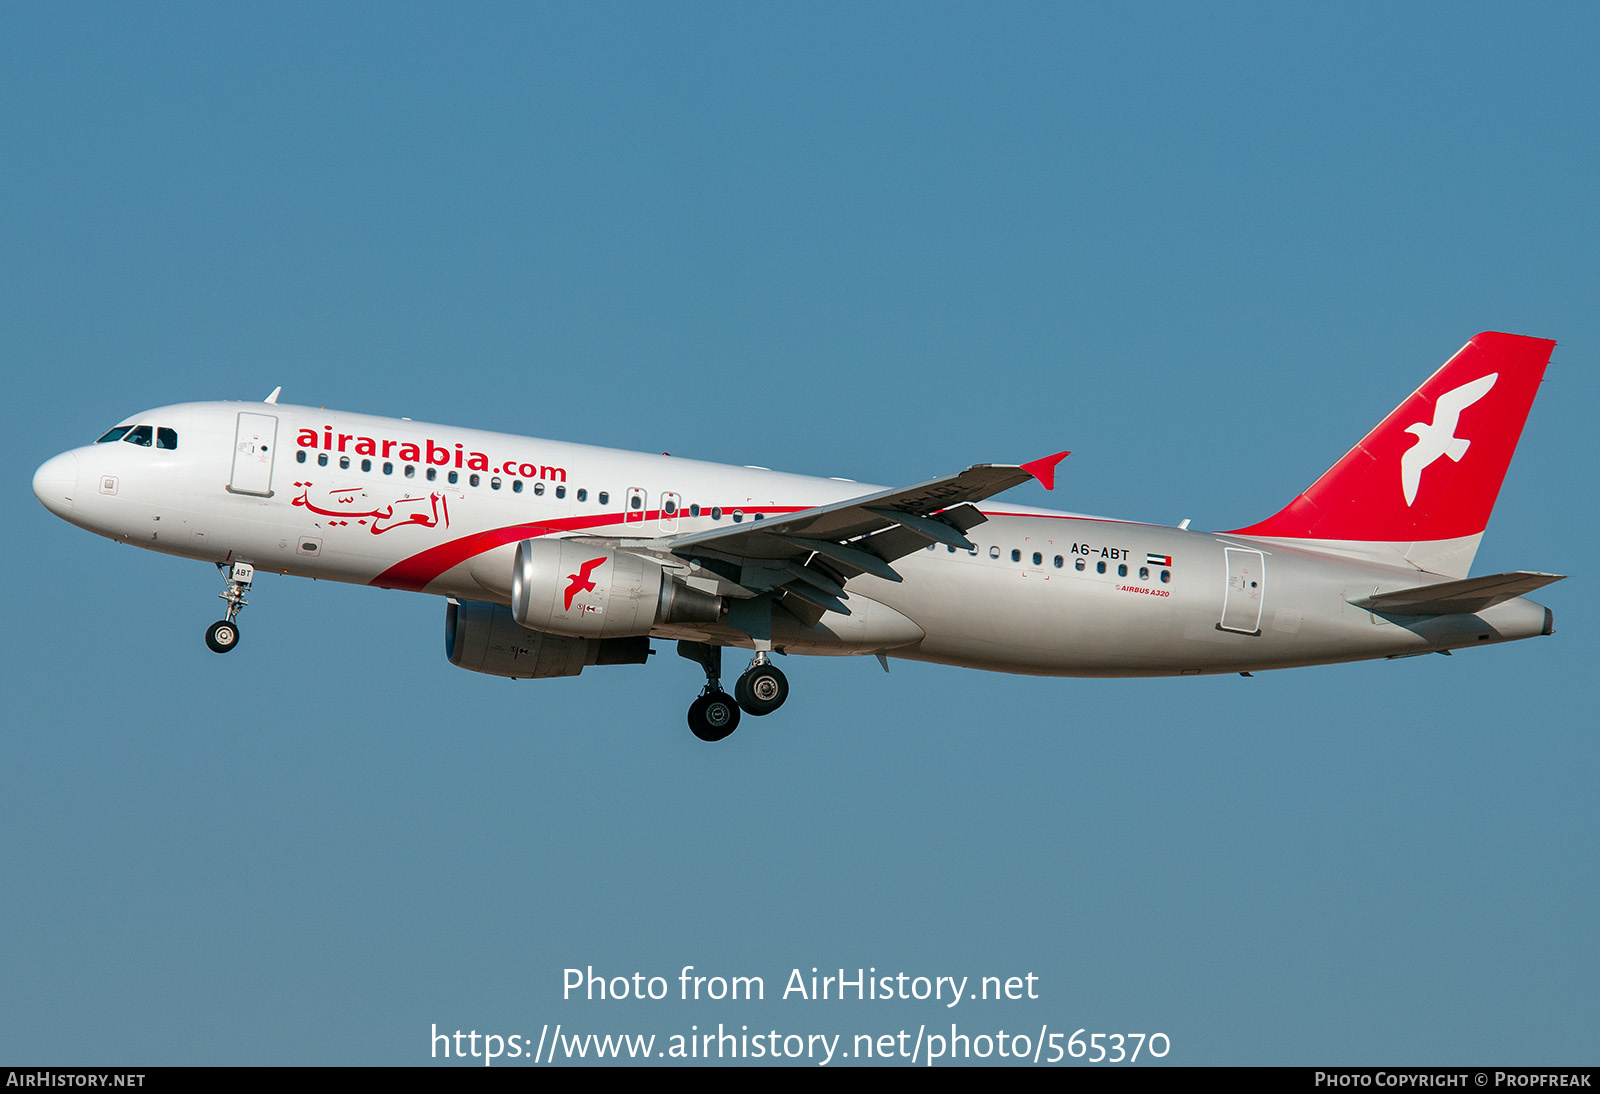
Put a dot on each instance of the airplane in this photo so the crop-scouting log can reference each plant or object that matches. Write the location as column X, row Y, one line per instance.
column 555, row 556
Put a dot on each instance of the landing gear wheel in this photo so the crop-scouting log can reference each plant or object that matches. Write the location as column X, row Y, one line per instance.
column 762, row 689
column 222, row 636
column 713, row 716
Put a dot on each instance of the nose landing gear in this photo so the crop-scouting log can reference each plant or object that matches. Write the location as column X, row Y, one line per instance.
column 223, row 635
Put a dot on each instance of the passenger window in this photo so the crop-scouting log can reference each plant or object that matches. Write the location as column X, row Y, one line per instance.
column 1058, row 562
column 472, row 480
column 139, row 434
column 388, row 468
column 516, row 486
column 635, row 502
column 366, row 465
column 433, row 473
column 738, row 515
column 561, row 491
column 605, row 498
column 166, row 438
column 694, row 510
column 114, row 435
column 716, row 512
column 538, row 488
column 1166, row 576
column 1144, row 573
column 344, row 463
column 1016, row 555
column 994, row 552
column 411, row 472
column 1078, row 565
column 583, row 493
column 494, row 483
column 670, row 507
column 322, row 459
column 300, row 456
column 1099, row 567
column 455, row 477
column 1122, row 569
column 1038, row 559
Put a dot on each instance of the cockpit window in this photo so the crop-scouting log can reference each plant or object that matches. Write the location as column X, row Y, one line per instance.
column 114, row 435
column 140, row 434
column 166, row 438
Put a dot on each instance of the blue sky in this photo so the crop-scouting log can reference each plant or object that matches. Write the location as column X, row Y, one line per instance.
column 1204, row 247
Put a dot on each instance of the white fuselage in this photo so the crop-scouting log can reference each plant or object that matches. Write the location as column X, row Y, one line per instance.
column 437, row 509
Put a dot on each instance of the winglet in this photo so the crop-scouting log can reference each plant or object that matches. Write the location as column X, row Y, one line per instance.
column 273, row 398
column 1044, row 469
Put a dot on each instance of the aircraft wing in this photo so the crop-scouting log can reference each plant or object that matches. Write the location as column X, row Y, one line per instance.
column 810, row 553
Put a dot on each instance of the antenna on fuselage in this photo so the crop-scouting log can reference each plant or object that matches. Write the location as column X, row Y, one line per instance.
column 273, row 398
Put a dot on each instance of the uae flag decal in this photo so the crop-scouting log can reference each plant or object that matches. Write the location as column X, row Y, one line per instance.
column 1158, row 560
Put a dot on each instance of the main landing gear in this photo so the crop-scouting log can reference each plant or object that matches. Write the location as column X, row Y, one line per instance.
column 223, row 635
column 763, row 687
column 760, row 690
column 712, row 716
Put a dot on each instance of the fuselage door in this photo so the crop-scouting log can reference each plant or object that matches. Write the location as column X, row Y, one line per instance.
column 670, row 504
column 255, row 446
column 1247, row 586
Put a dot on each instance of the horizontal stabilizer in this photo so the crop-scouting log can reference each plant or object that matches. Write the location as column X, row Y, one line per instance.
column 1464, row 597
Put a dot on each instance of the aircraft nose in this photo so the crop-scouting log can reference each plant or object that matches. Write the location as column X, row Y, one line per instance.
column 55, row 483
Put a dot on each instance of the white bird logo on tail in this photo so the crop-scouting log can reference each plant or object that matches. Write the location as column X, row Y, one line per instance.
column 1439, row 439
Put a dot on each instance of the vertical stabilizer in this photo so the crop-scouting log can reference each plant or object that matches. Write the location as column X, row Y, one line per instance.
column 1423, row 483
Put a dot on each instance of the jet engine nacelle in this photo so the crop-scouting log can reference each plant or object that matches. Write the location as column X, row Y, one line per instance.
column 484, row 638
column 564, row 586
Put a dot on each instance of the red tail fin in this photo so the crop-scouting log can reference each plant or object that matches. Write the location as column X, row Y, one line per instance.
column 1432, row 469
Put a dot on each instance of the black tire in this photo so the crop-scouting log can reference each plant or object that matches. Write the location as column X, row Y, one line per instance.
column 762, row 690
column 712, row 717
column 222, row 636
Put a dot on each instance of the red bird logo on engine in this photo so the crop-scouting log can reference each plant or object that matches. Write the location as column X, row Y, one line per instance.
column 580, row 580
